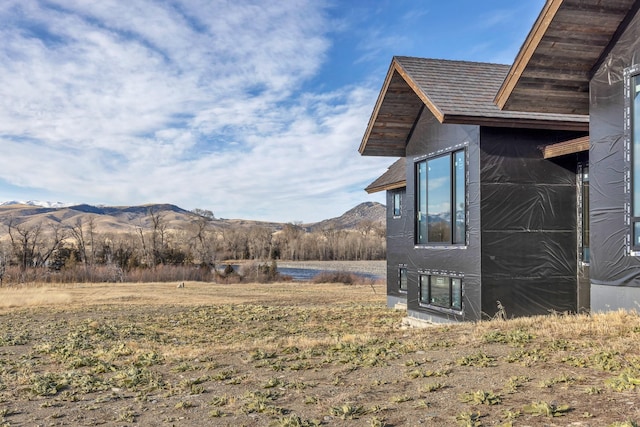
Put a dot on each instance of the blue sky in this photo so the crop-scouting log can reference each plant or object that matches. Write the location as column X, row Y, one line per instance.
column 251, row 109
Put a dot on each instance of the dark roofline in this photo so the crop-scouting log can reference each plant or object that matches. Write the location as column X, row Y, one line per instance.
column 566, row 45
column 393, row 178
column 401, row 98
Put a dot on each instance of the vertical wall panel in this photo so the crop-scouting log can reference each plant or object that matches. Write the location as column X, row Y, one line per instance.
column 612, row 266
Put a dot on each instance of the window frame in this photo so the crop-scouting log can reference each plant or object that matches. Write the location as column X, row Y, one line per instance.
column 403, row 268
column 583, row 214
column 396, row 198
column 425, row 299
column 457, row 237
column 632, row 222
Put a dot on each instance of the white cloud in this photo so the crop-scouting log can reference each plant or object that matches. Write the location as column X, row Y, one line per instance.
column 184, row 102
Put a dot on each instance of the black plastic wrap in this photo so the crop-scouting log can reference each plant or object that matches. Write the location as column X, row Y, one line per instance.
column 521, row 224
column 612, row 264
column 529, row 223
column 430, row 137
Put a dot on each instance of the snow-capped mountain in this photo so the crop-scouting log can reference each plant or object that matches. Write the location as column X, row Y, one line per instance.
column 39, row 203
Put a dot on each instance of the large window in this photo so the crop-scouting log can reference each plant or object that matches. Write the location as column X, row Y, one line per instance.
column 635, row 161
column 441, row 291
column 441, row 199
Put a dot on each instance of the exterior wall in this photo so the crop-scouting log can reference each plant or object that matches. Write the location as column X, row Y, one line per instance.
column 429, row 138
column 396, row 226
column 529, row 223
column 615, row 274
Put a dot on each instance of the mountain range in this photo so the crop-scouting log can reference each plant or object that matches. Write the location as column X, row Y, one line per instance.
column 116, row 219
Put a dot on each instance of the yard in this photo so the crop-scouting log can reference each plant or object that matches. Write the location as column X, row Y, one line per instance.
column 300, row 354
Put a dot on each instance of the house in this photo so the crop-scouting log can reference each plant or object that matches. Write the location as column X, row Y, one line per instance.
column 583, row 57
column 483, row 204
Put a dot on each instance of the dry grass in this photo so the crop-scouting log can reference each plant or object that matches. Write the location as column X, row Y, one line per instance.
column 292, row 354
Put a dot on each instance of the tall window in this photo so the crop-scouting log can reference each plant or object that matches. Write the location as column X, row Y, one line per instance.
column 441, row 291
column 397, row 204
column 585, row 215
column 635, row 162
column 402, row 278
column 441, row 199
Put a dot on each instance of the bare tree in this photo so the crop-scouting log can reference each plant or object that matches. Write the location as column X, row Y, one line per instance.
column 202, row 239
column 52, row 242
column 3, row 265
column 24, row 240
column 158, row 236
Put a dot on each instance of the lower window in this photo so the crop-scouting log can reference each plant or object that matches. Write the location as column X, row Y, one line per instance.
column 441, row 291
column 402, row 278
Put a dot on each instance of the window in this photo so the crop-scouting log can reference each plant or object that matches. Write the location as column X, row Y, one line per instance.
column 441, row 291
column 397, row 204
column 632, row 157
column 441, row 199
column 584, row 206
column 402, row 278
column 635, row 159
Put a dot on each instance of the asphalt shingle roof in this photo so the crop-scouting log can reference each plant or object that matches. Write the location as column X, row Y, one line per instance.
column 462, row 88
column 394, row 177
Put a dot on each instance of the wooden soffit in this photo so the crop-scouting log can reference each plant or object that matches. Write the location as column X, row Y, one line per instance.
column 551, row 73
column 393, row 119
column 566, row 147
column 441, row 87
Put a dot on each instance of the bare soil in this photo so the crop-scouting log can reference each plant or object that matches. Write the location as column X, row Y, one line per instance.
column 299, row 354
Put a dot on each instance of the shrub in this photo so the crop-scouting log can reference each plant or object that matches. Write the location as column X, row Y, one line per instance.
column 336, row 277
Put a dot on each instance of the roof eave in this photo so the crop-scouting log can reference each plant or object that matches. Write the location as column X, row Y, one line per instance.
column 579, row 124
column 395, row 67
column 526, row 51
column 394, row 186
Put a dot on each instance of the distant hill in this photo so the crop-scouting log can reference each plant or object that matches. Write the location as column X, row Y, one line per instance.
column 372, row 212
column 117, row 219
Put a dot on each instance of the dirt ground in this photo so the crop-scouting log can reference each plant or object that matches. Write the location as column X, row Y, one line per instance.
column 298, row 354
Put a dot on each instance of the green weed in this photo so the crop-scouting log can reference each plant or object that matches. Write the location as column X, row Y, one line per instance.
column 527, row 357
column 517, row 337
column 546, row 409
column 469, row 419
column 626, row 380
column 48, row 384
column 481, row 397
column 515, row 382
column 479, row 359
column 562, row 379
column 347, row 412
column 294, row 421
column 430, row 388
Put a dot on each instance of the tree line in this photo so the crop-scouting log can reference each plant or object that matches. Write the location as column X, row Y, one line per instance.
column 197, row 251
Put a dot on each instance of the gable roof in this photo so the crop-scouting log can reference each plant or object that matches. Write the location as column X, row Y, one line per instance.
column 567, row 43
column 457, row 92
column 394, row 177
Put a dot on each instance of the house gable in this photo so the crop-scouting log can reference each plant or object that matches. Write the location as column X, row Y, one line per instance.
column 455, row 92
column 568, row 41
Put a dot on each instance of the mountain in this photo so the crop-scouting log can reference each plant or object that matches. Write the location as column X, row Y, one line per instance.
column 118, row 219
column 369, row 212
column 36, row 203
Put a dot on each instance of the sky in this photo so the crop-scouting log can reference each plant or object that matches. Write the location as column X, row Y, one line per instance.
column 250, row 109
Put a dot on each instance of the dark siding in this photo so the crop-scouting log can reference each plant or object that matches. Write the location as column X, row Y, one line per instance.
column 396, row 227
column 528, row 215
column 429, row 137
column 611, row 266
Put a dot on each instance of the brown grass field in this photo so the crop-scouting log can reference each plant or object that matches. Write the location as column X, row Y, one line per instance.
column 299, row 354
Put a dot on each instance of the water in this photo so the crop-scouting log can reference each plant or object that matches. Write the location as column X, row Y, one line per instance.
column 307, row 274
